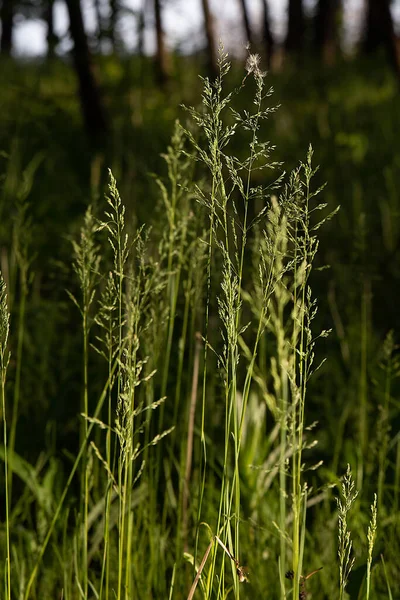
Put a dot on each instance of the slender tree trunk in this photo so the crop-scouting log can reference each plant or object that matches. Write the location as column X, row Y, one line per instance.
column 296, row 25
column 326, row 29
column 211, row 44
column 141, row 24
column 267, row 34
column 89, row 93
column 6, row 17
column 101, row 30
column 51, row 37
column 246, row 22
column 113, row 23
column 379, row 31
column 163, row 66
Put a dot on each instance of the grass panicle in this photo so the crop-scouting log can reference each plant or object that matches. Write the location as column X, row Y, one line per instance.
column 345, row 553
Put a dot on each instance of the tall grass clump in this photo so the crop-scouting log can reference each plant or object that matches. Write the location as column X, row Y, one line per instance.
column 229, row 191
column 198, row 346
column 281, row 300
column 86, row 264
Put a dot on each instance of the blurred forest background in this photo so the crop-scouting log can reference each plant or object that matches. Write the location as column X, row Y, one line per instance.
column 105, row 94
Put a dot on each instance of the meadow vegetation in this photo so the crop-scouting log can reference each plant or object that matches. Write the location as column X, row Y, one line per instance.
column 199, row 368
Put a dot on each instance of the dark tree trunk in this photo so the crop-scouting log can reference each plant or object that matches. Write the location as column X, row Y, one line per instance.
column 6, row 17
column 246, row 22
column 141, row 24
column 113, row 24
column 326, row 29
column 92, row 108
column 211, row 44
column 101, row 29
column 50, row 35
column 379, row 31
column 267, row 34
column 162, row 55
column 295, row 33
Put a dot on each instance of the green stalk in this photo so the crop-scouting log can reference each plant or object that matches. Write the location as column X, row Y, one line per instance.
column 4, row 361
column 203, row 465
column 67, row 485
column 237, row 428
column 85, row 428
column 122, row 479
column 383, row 451
column 17, row 383
column 363, row 430
column 106, row 555
column 284, row 398
column 190, row 434
column 132, row 375
column 397, row 477
column 299, row 402
column 182, row 344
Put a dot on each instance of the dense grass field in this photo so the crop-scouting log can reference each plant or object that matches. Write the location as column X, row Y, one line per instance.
column 198, row 337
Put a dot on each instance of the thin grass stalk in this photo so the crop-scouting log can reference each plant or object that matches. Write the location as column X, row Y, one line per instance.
column 17, row 382
column 237, row 428
column 203, row 466
column 22, row 235
column 106, row 554
column 216, row 135
column 193, row 289
column 212, row 217
column 252, row 66
column 85, row 331
column 172, row 284
column 106, row 346
column 274, row 270
column 303, row 532
column 108, row 323
column 303, row 246
column 177, row 221
column 181, row 541
column 4, row 361
column 396, row 498
column 182, row 344
column 176, row 289
column 390, row 595
column 60, row 504
column 123, row 476
column 132, row 370
column 105, row 567
column 345, row 545
column 283, row 401
column 190, row 434
column 200, row 570
column 176, row 206
column 86, row 263
column 371, row 536
column 171, row 588
column 390, row 372
column 293, row 436
column 231, row 300
column 282, row 480
column 118, row 240
column 363, row 381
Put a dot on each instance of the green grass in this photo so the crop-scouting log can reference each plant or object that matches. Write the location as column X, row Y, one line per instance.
column 187, row 421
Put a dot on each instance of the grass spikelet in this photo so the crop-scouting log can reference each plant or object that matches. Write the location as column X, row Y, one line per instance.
column 346, row 558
